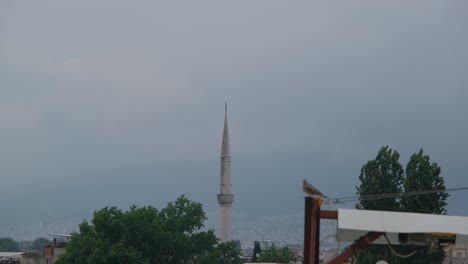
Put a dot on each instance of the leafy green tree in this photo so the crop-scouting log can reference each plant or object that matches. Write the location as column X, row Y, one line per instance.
column 39, row 243
column 142, row 235
column 422, row 175
column 276, row 255
column 257, row 251
column 226, row 253
column 384, row 174
column 7, row 244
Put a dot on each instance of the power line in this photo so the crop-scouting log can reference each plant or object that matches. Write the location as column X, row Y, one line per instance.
column 392, row 195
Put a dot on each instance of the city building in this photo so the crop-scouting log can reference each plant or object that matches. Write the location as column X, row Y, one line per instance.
column 10, row 257
column 456, row 254
column 266, row 244
column 33, row 258
column 50, row 253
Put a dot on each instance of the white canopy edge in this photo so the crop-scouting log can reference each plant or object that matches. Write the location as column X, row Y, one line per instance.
column 10, row 254
column 355, row 223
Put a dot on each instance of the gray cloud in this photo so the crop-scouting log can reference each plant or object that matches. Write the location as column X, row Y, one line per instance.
column 119, row 103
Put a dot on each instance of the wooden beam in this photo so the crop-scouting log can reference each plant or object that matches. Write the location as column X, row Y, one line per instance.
column 311, row 230
column 327, row 214
column 360, row 244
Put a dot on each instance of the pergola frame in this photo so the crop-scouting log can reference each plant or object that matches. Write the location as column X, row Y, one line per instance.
column 313, row 214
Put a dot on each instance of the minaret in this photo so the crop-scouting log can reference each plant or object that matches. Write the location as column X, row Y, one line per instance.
column 225, row 198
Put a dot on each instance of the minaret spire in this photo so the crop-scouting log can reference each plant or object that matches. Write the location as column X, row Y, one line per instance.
column 225, row 147
column 225, row 198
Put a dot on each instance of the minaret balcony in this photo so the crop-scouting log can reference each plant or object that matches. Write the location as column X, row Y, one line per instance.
column 225, row 198
column 226, row 159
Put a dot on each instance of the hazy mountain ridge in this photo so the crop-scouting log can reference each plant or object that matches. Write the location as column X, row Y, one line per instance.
column 283, row 229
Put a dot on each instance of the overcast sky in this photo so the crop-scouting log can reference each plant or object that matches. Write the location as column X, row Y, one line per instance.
column 122, row 102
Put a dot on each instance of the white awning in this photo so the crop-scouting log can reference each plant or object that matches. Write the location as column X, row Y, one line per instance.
column 355, row 223
column 10, row 254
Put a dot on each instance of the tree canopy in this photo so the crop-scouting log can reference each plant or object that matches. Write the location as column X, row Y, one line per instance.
column 385, row 174
column 256, row 251
column 7, row 244
column 422, row 175
column 225, row 253
column 146, row 235
column 274, row 254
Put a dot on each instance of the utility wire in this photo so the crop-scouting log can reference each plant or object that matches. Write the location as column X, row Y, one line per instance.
column 392, row 195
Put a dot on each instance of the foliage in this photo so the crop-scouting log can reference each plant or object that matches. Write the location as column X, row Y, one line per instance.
column 39, row 243
column 374, row 253
column 7, row 244
column 276, row 255
column 142, row 235
column 385, row 175
column 422, row 175
column 226, row 253
column 257, row 250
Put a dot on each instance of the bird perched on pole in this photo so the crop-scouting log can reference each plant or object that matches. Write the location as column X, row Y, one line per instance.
column 309, row 189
